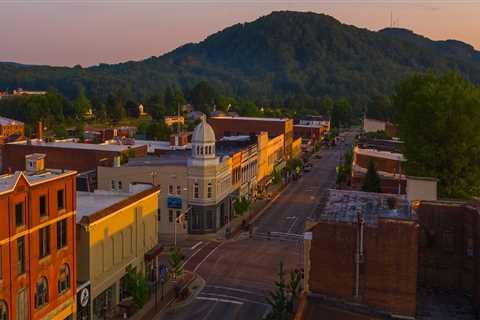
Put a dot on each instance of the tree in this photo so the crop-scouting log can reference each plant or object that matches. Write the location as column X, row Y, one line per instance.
column 136, row 286
column 278, row 299
column 241, row 206
column 372, row 180
column 341, row 113
column 276, row 176
column 175, row 261
column 439, row 121
column 81, row 104
column 293, row 289
column 157, row 130
column 203, row 97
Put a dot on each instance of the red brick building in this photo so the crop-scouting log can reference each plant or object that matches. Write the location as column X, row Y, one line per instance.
column 68, row 155
column 449, row 248
column 389, row 166
column 308, row 132
column 234, row 126
column 363, row 251
column 37, row 248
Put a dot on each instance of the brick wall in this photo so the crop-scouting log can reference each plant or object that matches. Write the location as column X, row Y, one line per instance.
column 381, row 164
column 386, row 185
column 13, row 157
column 388, row 275
column 449, row 247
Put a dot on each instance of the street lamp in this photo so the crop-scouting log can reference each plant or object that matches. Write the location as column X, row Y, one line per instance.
column 177, row 219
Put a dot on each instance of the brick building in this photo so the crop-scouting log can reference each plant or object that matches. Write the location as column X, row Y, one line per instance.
column 363, row 252
column 449, row 248
column 67, row 154
column 9, row 127
column 232, row 126
column 309, row 132
column 388, row 165
column 37, row 247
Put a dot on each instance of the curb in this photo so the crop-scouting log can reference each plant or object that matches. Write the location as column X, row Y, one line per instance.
column 172, row 307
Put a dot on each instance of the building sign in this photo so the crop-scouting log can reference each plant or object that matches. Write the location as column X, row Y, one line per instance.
column 174, row 203
column 83, row 302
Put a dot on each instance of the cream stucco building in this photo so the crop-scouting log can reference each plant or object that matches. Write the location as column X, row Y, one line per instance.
column 114, row 231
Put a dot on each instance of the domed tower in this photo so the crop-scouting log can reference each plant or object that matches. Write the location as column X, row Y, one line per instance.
column 203, row 141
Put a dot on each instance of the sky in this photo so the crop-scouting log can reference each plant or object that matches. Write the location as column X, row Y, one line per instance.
column 88, row 32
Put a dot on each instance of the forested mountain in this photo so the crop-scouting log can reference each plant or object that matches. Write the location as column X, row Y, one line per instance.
column 278, row 56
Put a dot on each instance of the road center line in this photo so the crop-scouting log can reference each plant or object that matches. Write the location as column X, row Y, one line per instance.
column 222, row 296
column 219, row 300
column 234, row 289
column 196, row 245
column 293, row 224
column 193, row 254
column 208, row 255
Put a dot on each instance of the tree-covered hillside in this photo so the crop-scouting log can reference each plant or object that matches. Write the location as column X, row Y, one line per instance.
column 271, row 60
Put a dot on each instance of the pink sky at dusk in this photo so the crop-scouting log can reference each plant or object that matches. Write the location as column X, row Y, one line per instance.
column 87, row 32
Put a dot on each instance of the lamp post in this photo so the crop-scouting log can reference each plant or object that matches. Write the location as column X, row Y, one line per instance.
column 177, row 219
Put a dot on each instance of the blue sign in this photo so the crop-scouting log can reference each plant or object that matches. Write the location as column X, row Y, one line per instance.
column 174, row 203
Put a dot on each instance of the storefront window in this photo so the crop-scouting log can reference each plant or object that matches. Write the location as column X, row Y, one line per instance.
column 104, row 303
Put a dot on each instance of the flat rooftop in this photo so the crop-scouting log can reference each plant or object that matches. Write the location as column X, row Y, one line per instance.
column 316, row 126
column 9, row 122
column 90, row 203
column 8, row 181
column 177, row 157
column 380, row 154
column 153, row 145
column 251, row 118
column 342, row 206
column 72, row 144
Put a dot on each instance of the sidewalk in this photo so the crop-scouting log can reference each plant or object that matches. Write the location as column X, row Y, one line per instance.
column 151, row 309
column 257, row 208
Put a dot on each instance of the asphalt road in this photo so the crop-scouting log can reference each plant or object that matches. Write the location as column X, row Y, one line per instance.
column 239, row 273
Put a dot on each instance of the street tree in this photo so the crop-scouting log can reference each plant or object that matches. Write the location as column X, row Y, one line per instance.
column 372, row 179
column 136, row 286
column 175, row 261
column 278, row 298
column 241, row 206
column 439, row 121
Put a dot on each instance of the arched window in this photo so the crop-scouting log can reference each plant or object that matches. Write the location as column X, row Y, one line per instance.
column 201, row 150
column 3, row 310
column 209, row 149
column 198, row 150
column 64, row 279
column 41, row 293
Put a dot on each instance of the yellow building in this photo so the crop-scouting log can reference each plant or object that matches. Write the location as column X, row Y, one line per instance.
column 115, row 230
column 296, row 147
column 270, row 156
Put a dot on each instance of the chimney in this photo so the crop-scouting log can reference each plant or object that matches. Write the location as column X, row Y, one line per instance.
column 39, row 130
column 35, row 163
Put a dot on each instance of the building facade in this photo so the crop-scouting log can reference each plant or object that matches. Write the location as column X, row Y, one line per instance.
column 115, row 231
column 67, row 154
column 233, row 126
column 363, row 250
column 37, row 243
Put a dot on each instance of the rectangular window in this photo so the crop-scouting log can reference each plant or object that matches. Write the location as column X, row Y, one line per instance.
column 159, row 215
column 209, row 191
column 21, row 255
column 170, row 215
column 44, row 241
column 209, row 220
column 61, row 233
column 19, row 215
column 43, row 206
column 195, row 191
column 170, row 189
column 179, row 190
column 1, row 263
column 113, row 185
column 61, row 199
column 120, row 185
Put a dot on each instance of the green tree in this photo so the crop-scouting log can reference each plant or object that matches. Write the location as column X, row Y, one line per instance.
column 175, row 261
column 203, row 97
column 241, row 206
column 439, row 121
column 81, row 104
column 136, row 286
column 293, row 289
column 278, row 298
column 372, row 179
column 157, row 130
column 276, row 176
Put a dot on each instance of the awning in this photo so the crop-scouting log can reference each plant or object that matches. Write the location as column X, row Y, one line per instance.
column 154, row 252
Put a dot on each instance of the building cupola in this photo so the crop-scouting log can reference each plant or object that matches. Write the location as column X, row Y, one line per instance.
column 203, row 141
